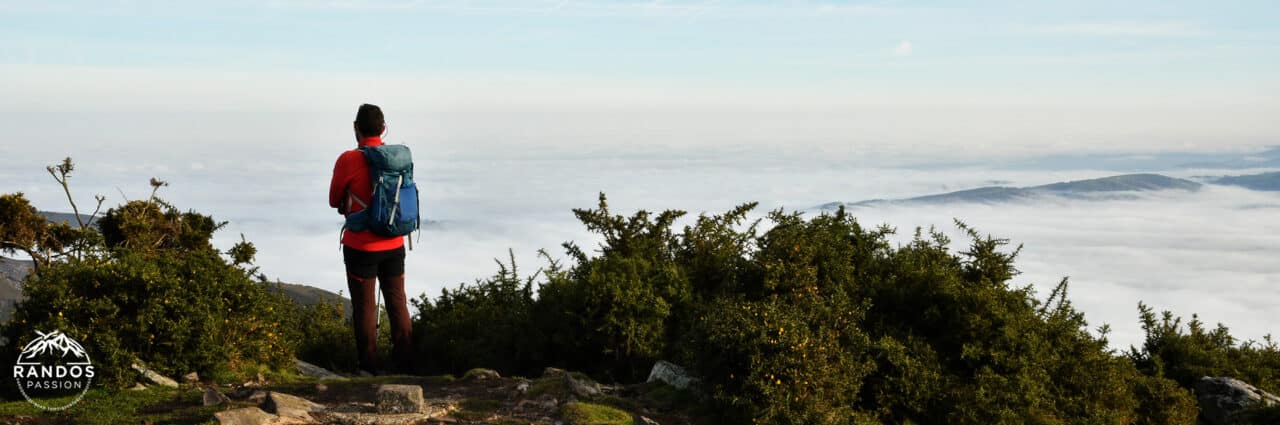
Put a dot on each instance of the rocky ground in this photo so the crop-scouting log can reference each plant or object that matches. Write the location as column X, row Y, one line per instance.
column 479, row 397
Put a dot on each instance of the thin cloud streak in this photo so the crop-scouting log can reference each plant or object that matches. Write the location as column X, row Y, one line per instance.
column 1130, row 29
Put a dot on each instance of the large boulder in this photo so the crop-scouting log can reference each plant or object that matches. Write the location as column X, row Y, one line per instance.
column 400, row 399
column 308, row 369
column 671, row 374
column 153, row 377
column 1222, row 398
column 290, row 406
column 244, row 416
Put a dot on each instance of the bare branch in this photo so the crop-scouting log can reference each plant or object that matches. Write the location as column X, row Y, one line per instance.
column 100, row 199
column 59, row 173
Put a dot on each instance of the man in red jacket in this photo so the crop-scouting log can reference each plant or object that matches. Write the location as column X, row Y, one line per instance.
column 368, row 256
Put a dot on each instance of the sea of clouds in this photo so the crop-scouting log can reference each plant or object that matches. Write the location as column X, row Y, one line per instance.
column 1210, row 252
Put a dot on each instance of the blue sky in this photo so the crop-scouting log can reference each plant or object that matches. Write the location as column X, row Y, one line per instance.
column 1034, row 77
column 778, row 44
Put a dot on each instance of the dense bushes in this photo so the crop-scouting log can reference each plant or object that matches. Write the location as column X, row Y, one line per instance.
column 486, row 324
column 816, row 320
column 148, row 286
column 1185, row 356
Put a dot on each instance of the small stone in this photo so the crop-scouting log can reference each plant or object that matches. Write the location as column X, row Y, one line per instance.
column 671, row 374
column 480, row 374
column 308, row 369
column 191, row 378
column 522, row 387
column 290, row 406
column 580, row 388
column 153, row 377
column 547, row 402
column 320, row 387
column 244, row 416
column 257, row 396
column 647, row 421
column 212, row 397
column 139, row 387
column 399, row 399
column 552, row 372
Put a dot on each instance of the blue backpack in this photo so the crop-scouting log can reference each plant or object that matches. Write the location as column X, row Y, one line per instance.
column 393, row 210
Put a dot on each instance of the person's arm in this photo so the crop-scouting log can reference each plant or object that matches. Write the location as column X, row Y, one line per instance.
column 338, row 186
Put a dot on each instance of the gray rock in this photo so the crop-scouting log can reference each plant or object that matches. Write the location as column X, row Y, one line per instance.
column 1221, row 398
column 257, row 396
column 244, row 416
column 399, row 399
column 671, row 374
column 308, row 369
column 436, row 410
column 153, row 377
column 581, row 388
column 191, row 378
column 213, row 397
column 481, row 374
column 290, row 406
column 552, row 372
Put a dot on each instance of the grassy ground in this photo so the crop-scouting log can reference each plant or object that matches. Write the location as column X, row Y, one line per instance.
column 158, row 405
column 490, row 401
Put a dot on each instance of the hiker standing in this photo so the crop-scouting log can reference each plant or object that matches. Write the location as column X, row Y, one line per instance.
column 373, row 187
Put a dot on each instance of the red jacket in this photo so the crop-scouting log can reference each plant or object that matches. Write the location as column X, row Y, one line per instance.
column 351, row 178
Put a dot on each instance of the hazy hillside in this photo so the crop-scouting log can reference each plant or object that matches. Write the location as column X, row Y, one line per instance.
column 309, row 295
column 1115, row 187
column 1264, row 181
column 70, row 218
column 11, row 274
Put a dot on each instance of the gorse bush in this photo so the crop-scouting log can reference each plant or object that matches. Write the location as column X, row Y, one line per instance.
column 325, row 337
column 488, row 324
column 815, row 320
column 145, row 284
column 1185, row 356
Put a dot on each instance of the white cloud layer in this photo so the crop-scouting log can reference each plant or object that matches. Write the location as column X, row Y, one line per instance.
column 1210, row 252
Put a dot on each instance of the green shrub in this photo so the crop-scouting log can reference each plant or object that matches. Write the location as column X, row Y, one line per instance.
column 1185, row 356
column 325, row 336
column 487, row 325
column 149, row 287
column 609, row 314
column 1162, row 402
column 820, row 320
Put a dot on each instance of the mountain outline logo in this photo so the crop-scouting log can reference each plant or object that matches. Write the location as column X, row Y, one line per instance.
column 53, row 368
column 55, row 340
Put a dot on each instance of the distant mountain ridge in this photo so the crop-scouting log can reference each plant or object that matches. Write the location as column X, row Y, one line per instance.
column 1106, row 188
column 1264, row 181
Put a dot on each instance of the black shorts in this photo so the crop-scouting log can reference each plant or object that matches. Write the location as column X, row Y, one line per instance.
column 364, row 264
